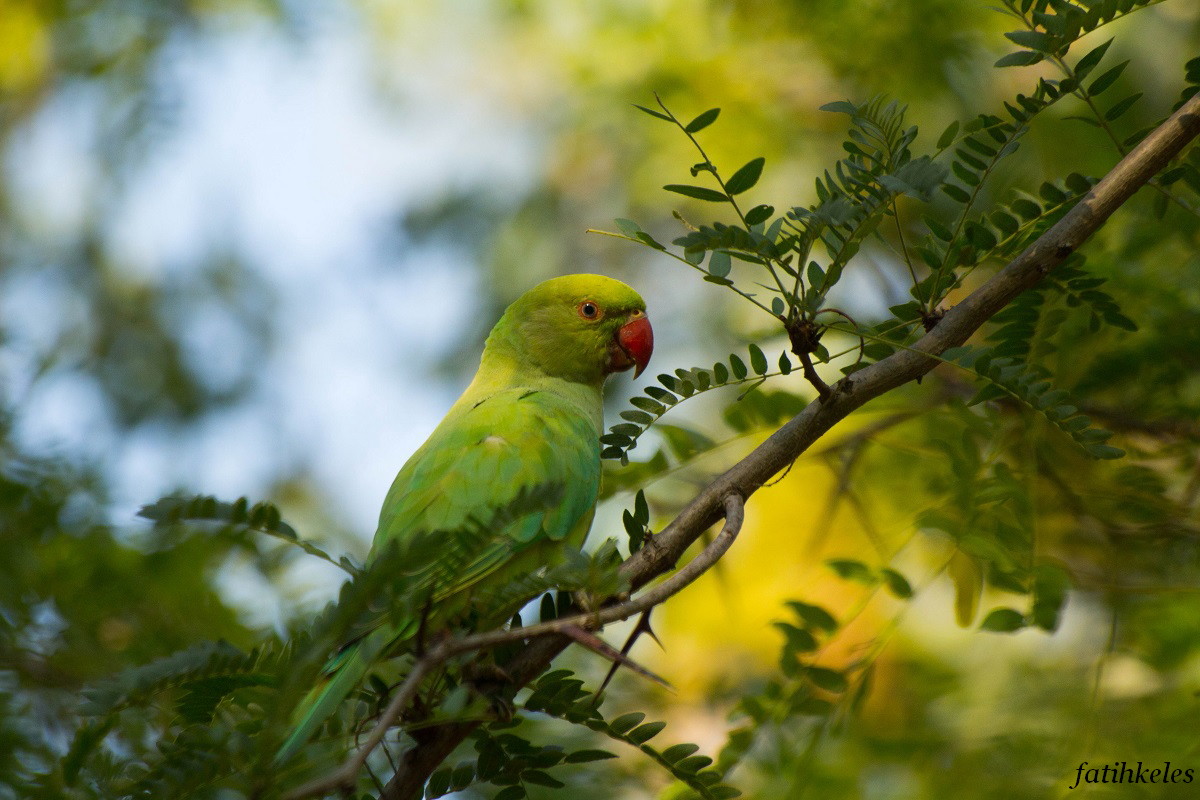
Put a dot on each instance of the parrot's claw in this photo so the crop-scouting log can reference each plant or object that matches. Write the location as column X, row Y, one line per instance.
column 503, row 708
column 489, row 681
column 584, row 601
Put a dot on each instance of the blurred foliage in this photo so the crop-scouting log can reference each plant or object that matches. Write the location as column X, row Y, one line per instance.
column 966, row 590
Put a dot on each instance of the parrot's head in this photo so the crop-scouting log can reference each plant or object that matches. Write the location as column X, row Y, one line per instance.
column 577, row 327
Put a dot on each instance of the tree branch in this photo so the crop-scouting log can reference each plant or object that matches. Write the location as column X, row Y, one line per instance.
column 786, row 444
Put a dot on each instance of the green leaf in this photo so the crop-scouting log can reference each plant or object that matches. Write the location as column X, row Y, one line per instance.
column 703, row 120
column 584, row 756
column 758, row 360
column 827, row 679
column 634, row 529
column 812, row 707
column 719, row 263
column 1021, row 58
column 1006, row 223
column 539, row 778
column 965, row 175
column 816, row 276
column 852, row 570
column 649, row 406
column 1089, row 61
column 1122, row 106
column 948, row 135
column 698, row 192
column 738, row 366
column 1052, row 193
column 907, row 312
column 760, row 213
column 1003, row 620
column 1079, row 184
column 676, row 752
column 1050, row 585
column 439, row 783
column 628, row 227
column 462, row 776
column 840, row 107
column 652, row 113
column 1027, row 208
column 746, row 177
column 647, row 239
column 979, row 146
column 897, row 584
column 693, row 764
column 956, row 193
column 798, row 639
column 662, row 395
column 814, row 616
column 626, row 722
column 1107, row 79
column 1034, row 40
column 644, row 733
column 1104, row 451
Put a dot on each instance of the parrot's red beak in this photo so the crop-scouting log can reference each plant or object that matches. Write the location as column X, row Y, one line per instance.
column 635, row 343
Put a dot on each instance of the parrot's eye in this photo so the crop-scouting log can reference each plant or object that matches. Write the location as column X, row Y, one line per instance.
column 589, row 310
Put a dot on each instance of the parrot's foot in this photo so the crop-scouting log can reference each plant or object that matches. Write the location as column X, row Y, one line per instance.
column 503, row 708
column 586, row 602
column 489, row 681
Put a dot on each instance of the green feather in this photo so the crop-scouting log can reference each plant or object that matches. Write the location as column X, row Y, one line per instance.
column 343, row 673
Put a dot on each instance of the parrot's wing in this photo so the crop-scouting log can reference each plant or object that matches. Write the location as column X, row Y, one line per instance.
column 502, row 453
column 513, row 445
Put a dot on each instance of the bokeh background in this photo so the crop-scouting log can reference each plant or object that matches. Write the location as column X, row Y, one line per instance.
column 251, row 247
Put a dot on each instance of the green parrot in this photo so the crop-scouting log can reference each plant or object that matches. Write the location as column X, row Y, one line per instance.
column 531, row 417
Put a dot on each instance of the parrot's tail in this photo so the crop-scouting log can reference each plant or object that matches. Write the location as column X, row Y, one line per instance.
column 345, row 672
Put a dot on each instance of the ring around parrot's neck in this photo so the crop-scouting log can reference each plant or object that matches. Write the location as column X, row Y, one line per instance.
column 566, row 336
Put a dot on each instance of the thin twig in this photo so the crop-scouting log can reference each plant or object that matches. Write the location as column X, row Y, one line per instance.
column 810, row 375
column 904, row 251
column 346, row 775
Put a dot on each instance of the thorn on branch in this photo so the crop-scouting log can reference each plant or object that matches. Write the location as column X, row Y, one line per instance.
column 643, row 626
column 602, row 648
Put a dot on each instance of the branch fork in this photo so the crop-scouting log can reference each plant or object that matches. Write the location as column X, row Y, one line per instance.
column 345, row 777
